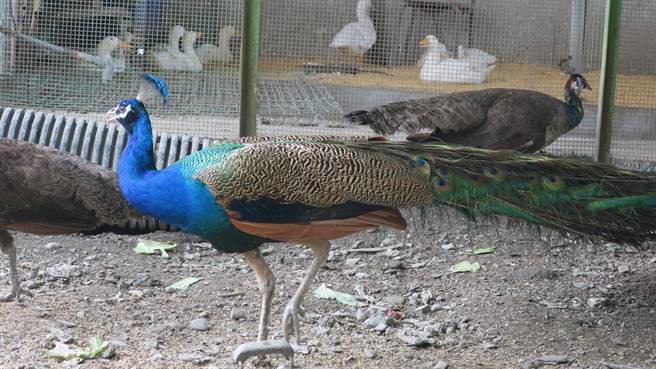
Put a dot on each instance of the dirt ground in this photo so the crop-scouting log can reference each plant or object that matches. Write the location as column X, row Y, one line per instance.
column 538, row 294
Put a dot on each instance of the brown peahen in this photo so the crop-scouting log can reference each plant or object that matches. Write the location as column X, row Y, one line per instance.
column 46, row 191
column 498, row 118
column 240, row 195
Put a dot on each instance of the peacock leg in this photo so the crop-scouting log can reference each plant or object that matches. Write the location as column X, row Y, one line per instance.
column 290, row 317
column 7, row 246
column 263, row 347
column 267, row 284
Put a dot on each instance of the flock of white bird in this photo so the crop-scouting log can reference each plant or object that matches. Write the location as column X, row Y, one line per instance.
column 470, row 65
column 111, row 55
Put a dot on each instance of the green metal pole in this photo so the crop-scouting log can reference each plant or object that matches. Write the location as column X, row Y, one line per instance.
column 250, row 58
column 608, row 79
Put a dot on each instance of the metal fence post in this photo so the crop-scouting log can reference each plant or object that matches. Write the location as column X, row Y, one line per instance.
column 608, row 79
column 250, row 57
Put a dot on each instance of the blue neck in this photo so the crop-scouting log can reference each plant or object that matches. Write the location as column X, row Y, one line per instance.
column 137, row 158
column 574, row 108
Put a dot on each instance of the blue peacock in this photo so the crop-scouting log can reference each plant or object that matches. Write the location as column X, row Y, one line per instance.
column 240, row 194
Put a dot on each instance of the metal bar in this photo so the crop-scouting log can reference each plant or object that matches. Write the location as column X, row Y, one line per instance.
column 576, row 34
column 250, row 58
column 608, row 79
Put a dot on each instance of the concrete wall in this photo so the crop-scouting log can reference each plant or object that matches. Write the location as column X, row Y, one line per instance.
column 524, row 31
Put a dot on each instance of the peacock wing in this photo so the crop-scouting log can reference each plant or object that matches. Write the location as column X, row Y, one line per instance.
column 456, row 112
column 313, row 190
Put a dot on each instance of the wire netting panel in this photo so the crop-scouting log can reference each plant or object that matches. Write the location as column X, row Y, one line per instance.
column 83, row 56
column 634, row 123
column 526, row 40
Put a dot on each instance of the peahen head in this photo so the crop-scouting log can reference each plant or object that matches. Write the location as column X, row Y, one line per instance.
column 131, row 111
column 575, row 84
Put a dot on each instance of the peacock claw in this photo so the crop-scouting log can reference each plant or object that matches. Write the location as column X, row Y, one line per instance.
column 15, row 294
column 259, row 348
column 290, row 322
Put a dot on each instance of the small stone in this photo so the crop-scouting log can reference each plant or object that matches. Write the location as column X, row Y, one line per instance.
column 374, row 321
column 491, row 333
column 327, row 321
column 369, row 354
column 52, row 246
column 237, row 313
column 595, row 302
column 199, row 324
column 361, row 315
column 395, row 300
column 489, row 345
column 448, row 246
column 396, row 264
column 63, row 271
column 582, row 285
column 351, row 262
column 441, row 365
column 361, row 275
column 33, row 284
column 414, row 338
column 382, row 327
column 553, row 359
column 110, row 353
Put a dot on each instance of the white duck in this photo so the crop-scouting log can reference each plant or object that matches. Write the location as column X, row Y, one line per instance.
column 444, row 53
column 220, row 54
column 190, row 61
column 103, row 57
column 357, row 37
column 448, row 70
column 476, row 56
column 168, row 56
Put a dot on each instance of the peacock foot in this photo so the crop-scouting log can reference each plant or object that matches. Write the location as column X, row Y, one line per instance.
column 261, row 348
column 15, row 294
column 290, row 322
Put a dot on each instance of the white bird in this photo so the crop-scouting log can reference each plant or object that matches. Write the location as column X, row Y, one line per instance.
column 168, row 56
column 444, row 53
column 357, row 37
column 221, row 54
column 476, row 56
column 103, row 57
column 449, row 70
column 189, row 57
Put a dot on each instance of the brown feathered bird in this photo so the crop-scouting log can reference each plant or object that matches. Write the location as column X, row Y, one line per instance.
column 498, row 118
column 46, row 191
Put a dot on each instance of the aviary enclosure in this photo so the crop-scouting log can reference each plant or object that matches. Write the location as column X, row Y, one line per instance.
column 305, row 83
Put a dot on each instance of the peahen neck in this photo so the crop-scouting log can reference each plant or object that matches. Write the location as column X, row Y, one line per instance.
column 574, row 107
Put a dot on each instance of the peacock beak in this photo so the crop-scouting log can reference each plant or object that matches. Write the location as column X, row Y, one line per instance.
column 113, row 113
column 424, row 42
column 124, row 45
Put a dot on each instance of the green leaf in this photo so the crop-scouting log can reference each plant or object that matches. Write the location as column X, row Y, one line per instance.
column 482, row 250
column 95, row 349
column 465, row 266
column 324, row 292
column 183, row 283
column 148, row 247
column 61, row 352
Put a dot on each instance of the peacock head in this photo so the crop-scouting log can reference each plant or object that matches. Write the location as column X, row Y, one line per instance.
column 128, row 113
column 131, row 111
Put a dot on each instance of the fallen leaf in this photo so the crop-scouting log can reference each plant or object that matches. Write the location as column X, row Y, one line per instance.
column 323, row 292
column 95, row 349
column 465, row 266
column 482, row 250
column 61, row 352
column 149, row 247
column 183, row 283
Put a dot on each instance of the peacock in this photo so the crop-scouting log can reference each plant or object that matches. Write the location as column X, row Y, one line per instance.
column 239, row 195
column 46, row 191
column 498, row 118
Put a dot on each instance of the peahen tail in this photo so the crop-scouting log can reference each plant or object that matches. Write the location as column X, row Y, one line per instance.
column 589, row 199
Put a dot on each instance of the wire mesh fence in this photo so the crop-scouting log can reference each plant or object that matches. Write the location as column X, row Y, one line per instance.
column 322, row 59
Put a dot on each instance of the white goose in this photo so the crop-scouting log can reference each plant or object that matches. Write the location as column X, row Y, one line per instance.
column 189, row 58
column 449, row 70
column 168, row 56
column 357, row 37
column 220, row 54
column 103, row 57
column 476, row 56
